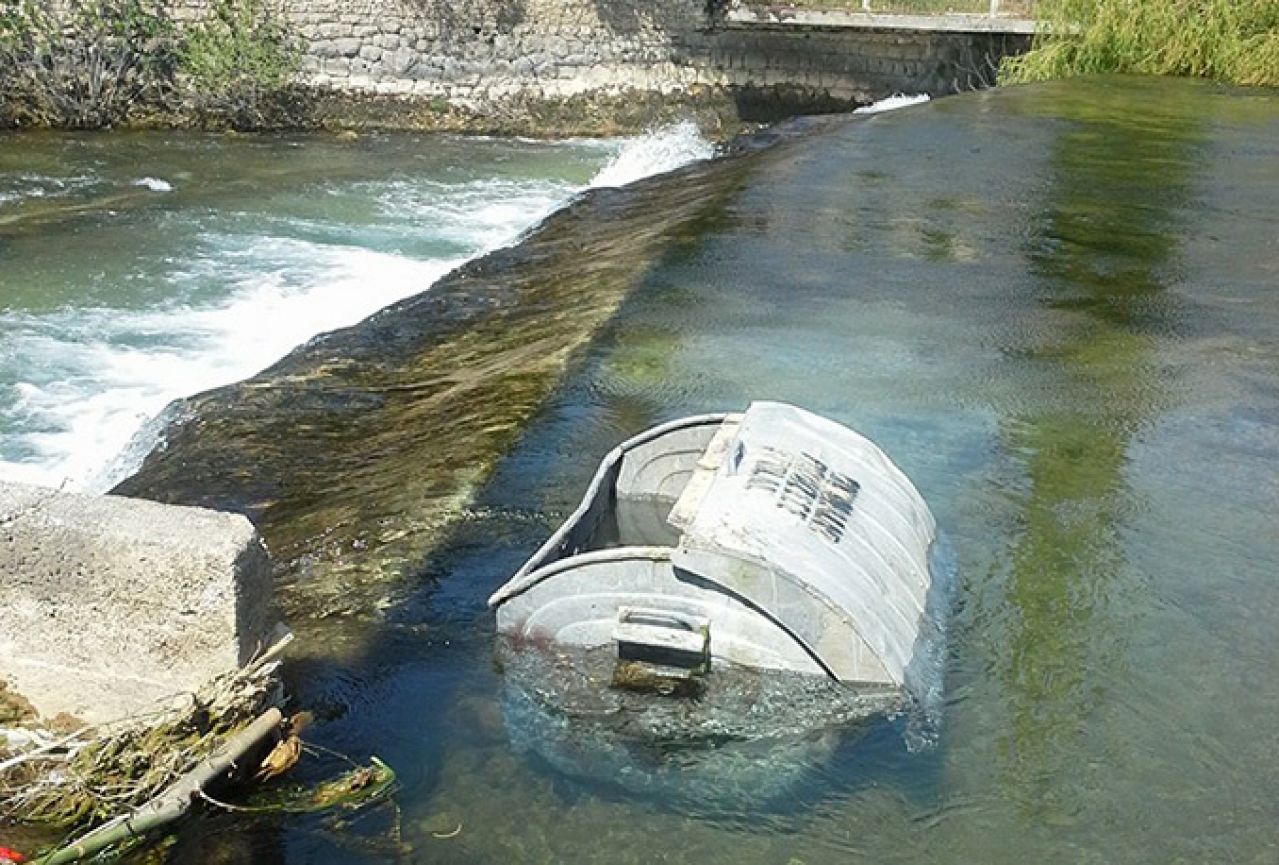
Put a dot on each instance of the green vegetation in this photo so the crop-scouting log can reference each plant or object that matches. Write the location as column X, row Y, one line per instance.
column 97, row 63
column 84, row 67
column 1236, row 41
column 237, row 58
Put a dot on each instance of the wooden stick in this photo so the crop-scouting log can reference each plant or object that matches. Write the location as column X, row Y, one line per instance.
column 173, row 802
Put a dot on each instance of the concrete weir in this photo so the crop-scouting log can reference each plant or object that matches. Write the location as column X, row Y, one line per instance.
column 109, row 604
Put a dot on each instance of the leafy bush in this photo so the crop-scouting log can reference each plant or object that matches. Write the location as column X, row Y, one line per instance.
column 95, row 63
column 1230, row 40
column 237, row 58
column 88, row 66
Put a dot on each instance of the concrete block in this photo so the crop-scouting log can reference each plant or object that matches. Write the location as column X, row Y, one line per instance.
column 108, row 604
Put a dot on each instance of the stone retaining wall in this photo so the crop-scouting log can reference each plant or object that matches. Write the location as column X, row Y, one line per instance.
column 847, row 66
column 108, row 604
column 482, row 55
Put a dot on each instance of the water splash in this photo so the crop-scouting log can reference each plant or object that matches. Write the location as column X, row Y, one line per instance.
column 155, row 184
column 79, row 384
column 479, row 215
column 657, row 152
column 94, row 376
column 892, row 103
column 926, row 674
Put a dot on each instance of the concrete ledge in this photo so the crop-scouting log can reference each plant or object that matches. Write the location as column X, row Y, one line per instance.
column 955, row 23
column 108, row 604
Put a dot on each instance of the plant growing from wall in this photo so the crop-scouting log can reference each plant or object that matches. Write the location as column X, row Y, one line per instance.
column 1230, row 40
column 87, row 65
column 94, row 63
column 238, row 59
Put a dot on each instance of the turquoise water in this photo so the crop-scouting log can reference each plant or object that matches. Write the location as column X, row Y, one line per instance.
column 1054, row 307
column 140, row 267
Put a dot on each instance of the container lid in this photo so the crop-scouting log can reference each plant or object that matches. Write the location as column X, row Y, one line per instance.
column 815, row 503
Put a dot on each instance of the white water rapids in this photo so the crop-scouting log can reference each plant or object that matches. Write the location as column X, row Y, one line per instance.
column 80, row 377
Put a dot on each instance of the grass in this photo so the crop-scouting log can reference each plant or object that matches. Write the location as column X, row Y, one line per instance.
column 1235, row 41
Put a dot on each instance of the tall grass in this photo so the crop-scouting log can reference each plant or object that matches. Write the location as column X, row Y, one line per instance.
column 1236, row 41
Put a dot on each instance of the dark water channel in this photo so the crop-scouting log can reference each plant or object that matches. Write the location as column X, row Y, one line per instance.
column 1054, row 306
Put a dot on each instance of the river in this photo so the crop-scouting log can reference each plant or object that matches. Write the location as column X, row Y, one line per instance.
column 142, row 267
column 1053, row 305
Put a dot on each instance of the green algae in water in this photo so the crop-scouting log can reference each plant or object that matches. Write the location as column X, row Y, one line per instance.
column 353, row 454
column 1086, row 402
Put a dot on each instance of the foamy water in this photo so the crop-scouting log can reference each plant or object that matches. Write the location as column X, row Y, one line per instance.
column 96, row 375
column 892, row 103
column 655, row 153
column 80, row 382
column 155, row 184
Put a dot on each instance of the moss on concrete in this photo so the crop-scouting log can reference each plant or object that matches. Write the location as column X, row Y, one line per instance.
column 354, row 453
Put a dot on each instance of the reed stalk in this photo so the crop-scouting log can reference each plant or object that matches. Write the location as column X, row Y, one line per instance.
column 1234, row 41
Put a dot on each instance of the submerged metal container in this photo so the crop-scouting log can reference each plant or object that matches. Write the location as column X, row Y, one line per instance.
column 772, row 539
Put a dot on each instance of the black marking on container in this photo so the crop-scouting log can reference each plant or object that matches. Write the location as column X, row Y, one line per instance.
column 803, row 485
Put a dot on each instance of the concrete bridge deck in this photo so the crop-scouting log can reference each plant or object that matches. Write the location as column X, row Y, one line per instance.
column 781, row 15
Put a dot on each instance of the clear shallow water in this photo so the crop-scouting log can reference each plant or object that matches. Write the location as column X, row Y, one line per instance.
column 138, row 268
column 1054, row 307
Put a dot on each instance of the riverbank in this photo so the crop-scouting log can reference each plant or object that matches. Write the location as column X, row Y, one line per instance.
column 538, row 67
column 1231, row 41
column 316, row 108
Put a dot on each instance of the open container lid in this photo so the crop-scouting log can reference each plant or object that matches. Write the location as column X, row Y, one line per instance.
column 806, row 500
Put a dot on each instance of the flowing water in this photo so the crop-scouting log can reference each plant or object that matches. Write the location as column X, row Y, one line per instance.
column 144, row 267
column 1054, row 307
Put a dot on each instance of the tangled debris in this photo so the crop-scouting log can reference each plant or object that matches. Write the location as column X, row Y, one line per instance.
column 128, row 830
column 129, row 778
column 98, row 771
column 354, row 789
